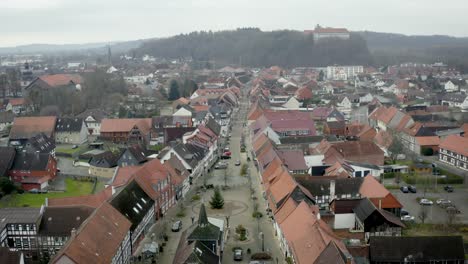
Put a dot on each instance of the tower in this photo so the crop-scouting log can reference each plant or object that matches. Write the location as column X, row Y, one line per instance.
column 109, row 55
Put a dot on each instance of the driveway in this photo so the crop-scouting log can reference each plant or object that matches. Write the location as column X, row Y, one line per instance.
column 66, row 167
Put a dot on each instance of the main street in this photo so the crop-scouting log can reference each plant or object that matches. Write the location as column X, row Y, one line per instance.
column 242, row 193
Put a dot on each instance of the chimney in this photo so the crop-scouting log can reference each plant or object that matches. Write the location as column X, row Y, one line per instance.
column 113, row 190
column 380, row 203
column 349, row 260
column 332, row 190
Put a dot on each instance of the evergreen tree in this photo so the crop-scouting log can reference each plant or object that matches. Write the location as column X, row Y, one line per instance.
column 174, row 91
column 217, row 200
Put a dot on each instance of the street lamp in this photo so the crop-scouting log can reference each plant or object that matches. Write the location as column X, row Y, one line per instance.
column 262, row 237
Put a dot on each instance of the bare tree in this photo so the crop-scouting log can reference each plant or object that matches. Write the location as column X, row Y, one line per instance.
column 396, row 146
column 423, row 213
column 451, row 216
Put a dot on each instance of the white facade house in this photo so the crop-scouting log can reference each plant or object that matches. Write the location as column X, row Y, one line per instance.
column 345, row 106
column 292, row 103
column 182, row 112
column 343, row 72
column 367, row 98
column 450, row 87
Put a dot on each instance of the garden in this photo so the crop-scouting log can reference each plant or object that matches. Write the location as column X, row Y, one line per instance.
column 73, row 188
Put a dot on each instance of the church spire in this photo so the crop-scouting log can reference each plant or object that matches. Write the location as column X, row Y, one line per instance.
column 202, row 218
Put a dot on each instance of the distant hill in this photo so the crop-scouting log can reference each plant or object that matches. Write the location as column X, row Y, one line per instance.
column 117, row 47
column 389, row 48
column 253, row 47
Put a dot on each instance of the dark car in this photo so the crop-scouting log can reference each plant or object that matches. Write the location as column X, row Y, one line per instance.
column 448, row 188
column 176, row 226
column 403, row 212
column 412, row 189
column 404, row 189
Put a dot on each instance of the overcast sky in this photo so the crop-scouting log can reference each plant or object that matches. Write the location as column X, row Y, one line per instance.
column 84, row 21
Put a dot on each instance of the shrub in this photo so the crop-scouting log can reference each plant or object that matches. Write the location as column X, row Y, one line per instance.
column 196, row 197
column 389, row 175
column 180, row 214
column 242, row 232
column 257, row 214
column 427, row 151
column 261, row 256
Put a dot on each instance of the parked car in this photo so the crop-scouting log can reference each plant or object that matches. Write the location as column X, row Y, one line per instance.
column 225, row 157
column 226, row 148
column 425, row 202
column 227, row 153
column 237, row 163
column 221, row 165
column 176, row 226
column 407, row 218
column 74, row 146
column 412, row 189
column 443, row 201
column 238, row 254
column 404, row 189
column 448, row 188
column 403, row 212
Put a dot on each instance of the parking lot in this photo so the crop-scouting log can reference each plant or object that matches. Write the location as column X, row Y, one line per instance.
column 436, row 214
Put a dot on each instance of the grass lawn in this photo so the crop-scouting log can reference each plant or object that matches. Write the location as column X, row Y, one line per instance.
column 436, row 230
column 73, row 188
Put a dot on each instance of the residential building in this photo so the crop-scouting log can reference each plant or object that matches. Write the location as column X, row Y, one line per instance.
column 124, row 131
column 103, row 238
column 57, row 225
column 132, row 156
column 18, row 228
column 6, row 121
column 454, row 151
column 343, row 72
column 16, row 106
column 33, row 170
column 92, row 119
column 26, row 127
column 70, row 131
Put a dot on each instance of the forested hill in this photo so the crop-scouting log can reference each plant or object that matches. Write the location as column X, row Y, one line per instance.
column 388, row 48
column 253, row 47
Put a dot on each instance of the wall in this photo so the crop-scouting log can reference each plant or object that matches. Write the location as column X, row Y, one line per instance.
column 102, row 172
column 343, row 221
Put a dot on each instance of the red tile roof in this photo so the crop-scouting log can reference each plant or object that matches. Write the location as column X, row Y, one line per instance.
column 125, row 124
column 26, row 127
column 307, row 235
column 93, row 200
column 55, row 80
column 428, row 141
column 456, row 144
column 98, row 239
column 16, row 101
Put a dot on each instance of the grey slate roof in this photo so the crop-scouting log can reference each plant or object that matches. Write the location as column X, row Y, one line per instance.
column 20, row 215
column 59, row 221
column 41, row 143
column 68, row 125
column 318, row 186
column 132, row 202
column 422, row 249
column 204, row 230
column 213, row 126
column 31, row 161
column 7, row 157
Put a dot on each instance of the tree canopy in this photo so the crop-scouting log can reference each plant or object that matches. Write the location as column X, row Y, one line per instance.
column 253, row 47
